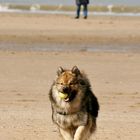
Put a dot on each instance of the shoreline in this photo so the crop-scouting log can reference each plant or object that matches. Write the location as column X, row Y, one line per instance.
column 110, row 8
column 69, row 13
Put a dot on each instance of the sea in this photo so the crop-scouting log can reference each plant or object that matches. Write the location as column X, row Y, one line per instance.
column 71, row 2
column 97, row 7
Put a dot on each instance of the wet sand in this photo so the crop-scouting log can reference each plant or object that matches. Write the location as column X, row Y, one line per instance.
column 26, row 76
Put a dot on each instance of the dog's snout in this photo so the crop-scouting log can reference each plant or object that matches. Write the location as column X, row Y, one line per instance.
column 65, row 89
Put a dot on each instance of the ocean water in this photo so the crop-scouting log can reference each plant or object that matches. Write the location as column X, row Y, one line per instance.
column 72, row 2
column 96, row 7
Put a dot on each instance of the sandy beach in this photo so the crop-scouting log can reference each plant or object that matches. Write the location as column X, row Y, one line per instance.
column 41, row 28
column 26, row 76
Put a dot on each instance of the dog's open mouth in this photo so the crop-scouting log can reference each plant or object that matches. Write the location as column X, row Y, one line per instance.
column 67, row 97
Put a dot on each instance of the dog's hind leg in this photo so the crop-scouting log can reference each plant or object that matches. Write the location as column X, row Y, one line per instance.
column 66, row 134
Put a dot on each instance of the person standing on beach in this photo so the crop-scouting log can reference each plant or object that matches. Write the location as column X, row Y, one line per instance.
column 79, row 3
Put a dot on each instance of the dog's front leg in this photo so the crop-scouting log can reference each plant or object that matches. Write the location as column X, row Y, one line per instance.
column 66, row 134
column 82, row 133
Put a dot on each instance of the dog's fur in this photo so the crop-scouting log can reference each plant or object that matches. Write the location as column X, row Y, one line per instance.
column 76, row 115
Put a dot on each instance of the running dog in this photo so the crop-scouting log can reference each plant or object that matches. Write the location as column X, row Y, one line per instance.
column 74, row 106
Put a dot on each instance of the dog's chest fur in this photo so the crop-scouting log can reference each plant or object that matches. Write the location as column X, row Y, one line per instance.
column 70, row 120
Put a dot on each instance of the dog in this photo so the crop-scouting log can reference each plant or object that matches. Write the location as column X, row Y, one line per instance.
column 74, row 106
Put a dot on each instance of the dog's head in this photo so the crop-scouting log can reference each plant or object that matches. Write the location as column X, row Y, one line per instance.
column 69, row 82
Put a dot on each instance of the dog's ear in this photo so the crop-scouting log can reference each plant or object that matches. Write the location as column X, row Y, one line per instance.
column 60, row 71
column 75, row 70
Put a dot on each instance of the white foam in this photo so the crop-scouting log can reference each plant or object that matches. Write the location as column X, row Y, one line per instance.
column 35, row 7
column 4, row 7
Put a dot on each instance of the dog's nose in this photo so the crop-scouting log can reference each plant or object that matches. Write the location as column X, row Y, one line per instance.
column 65, row 89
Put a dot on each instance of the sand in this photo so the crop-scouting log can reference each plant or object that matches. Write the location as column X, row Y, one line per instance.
column 31, row 28
column 26, row 76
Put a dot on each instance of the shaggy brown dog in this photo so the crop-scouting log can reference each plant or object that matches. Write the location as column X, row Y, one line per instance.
column 74, row 106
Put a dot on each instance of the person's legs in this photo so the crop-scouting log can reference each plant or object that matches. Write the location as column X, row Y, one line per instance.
column 85, row 10
column 78, row 10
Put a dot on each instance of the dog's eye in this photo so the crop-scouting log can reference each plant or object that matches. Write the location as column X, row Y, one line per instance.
column 71, row 83
column 60, row 83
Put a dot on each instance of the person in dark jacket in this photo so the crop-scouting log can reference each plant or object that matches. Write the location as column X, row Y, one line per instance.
column 79, row 3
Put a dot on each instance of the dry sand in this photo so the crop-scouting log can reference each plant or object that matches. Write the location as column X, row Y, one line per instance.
column 25, row 77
